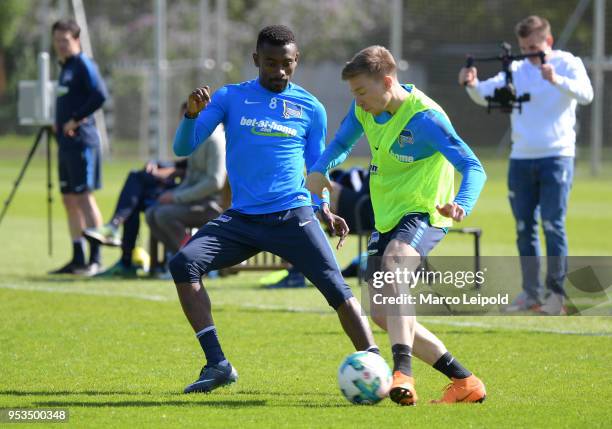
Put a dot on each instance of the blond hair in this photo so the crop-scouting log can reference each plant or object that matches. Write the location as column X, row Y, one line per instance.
column 532, row 25
column 374, row 61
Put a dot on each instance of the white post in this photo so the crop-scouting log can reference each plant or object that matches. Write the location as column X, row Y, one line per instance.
column 81, row 19
column 44, row 80
column 44, row 14
column 62, row 8
column 161, row 74
column 599, row 28
column 204, row 12
column 221, row 36
column 397, row 9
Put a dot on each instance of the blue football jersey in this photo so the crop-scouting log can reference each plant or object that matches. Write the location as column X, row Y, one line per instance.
column 270, row 137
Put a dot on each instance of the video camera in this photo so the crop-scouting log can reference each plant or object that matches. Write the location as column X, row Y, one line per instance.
column 505, row 98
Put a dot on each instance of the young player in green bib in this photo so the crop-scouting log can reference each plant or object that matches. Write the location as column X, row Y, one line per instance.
column 415, row 150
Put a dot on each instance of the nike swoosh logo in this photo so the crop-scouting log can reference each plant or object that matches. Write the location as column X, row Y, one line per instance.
column 450, row 361
column 304, row 223
column 251, row 102
column 204, row 381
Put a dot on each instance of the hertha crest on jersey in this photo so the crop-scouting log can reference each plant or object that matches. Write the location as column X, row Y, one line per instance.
column 291, row 110
column 405, row 138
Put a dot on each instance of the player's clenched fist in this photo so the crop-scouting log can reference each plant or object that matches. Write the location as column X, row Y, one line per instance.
column 198, row 100
column 451, row 210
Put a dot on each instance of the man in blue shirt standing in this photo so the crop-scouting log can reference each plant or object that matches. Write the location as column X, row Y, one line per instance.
column 78, row 142
column 273, row 127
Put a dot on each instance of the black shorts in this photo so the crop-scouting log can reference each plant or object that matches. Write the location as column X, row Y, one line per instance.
column 295, row 235
column 413, row 229
column 79, row 170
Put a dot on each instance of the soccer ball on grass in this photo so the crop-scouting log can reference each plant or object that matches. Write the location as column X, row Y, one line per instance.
column 364, row 378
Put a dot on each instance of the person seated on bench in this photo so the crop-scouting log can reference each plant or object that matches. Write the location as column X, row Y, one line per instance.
column 196, row 200
column 156, row 186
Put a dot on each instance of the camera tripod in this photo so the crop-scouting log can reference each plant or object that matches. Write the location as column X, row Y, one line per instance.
column 44, row 133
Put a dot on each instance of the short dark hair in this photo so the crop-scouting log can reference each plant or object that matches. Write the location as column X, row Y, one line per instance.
column 532, row 25
column 373, row 61
column 69, row 25
column 276, row 35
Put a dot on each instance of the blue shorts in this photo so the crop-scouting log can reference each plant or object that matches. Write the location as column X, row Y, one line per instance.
column 413, row 229
column 79, row 170
column 295, row 235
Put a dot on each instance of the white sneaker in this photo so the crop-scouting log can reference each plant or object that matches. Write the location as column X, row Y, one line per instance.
column 554, row 305
column 522, row 303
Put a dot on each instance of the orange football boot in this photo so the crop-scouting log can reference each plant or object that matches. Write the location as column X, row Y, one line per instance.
column 469, row 389
column 402, row 389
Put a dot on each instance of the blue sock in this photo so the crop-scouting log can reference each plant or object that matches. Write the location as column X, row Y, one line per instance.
column 78, row 252
column 210, row 344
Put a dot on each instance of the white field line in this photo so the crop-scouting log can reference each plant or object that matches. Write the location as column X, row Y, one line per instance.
column 517, row 328
column 162, row 298
column 73, row 291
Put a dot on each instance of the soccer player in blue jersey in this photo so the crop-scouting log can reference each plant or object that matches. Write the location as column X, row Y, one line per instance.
column 414, row 149
column 273, row 127
column 78, row 143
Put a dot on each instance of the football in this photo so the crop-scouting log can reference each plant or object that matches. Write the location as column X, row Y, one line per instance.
column 364, row 378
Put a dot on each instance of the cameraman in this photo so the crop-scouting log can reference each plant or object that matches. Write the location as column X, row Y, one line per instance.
column 542, row 157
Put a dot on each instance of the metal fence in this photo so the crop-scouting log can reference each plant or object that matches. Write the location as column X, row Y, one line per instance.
column 210, row 41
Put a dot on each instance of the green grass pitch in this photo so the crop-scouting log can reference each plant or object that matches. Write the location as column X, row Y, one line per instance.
column 118, row 353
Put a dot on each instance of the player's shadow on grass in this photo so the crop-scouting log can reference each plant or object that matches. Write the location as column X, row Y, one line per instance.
column 54, row 279
column 82, row 279
column 67, row 392
column 241, row 403
column 307, row 402
column 273, row 393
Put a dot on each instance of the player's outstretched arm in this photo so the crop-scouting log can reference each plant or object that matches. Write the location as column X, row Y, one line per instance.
column 203, row 115
column 347, row 135
column 437, row 131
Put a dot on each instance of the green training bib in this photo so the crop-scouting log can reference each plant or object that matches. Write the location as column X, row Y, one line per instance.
column 398, row 187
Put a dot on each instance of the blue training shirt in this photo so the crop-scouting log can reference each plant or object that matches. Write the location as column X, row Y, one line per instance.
column 428, row 132
column 269, row 138
column 85, row 94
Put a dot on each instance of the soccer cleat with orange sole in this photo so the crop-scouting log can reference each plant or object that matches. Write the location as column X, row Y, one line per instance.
column 402, row 389
column 469, row 389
